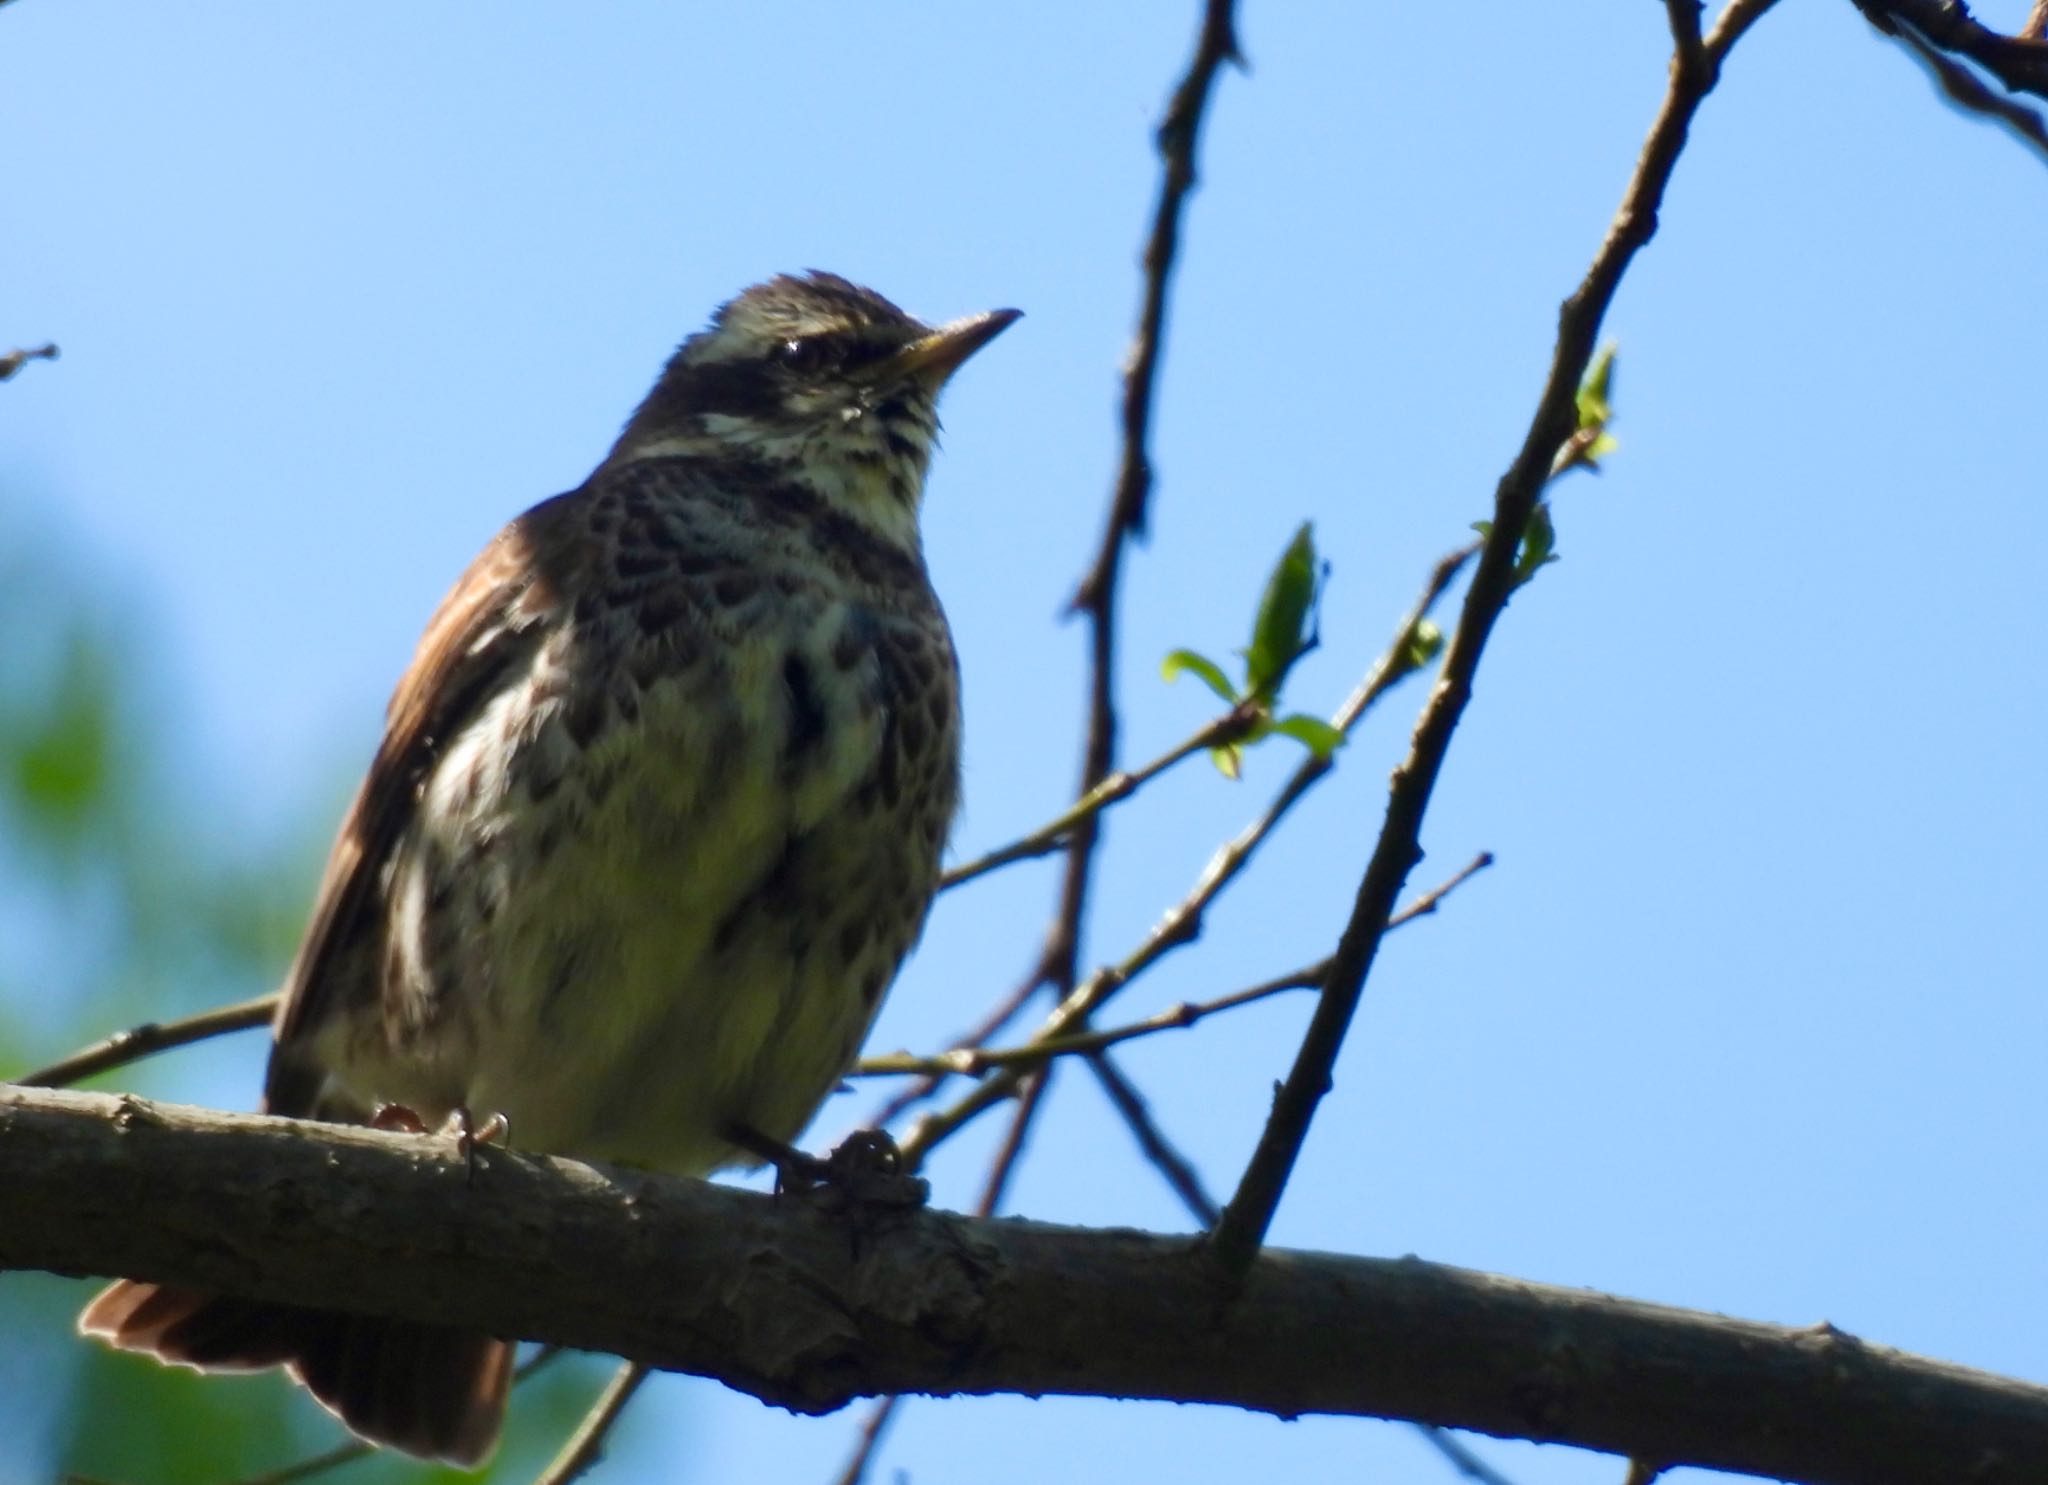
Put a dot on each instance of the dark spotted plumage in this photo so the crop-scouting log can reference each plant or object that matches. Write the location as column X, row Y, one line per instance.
column 657, row 814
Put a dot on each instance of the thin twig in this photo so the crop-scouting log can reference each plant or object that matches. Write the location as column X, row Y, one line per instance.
column 1431, row 900
column 1182, row 923
column 151, row 1037
column 1059, row 954
column 1179, row 1172
column 1004, row 1012
column 1005, row 1163
column 1117, row 787
column 1461, row 1459
column 1641, row 1472
column 586, row 1446
column 13, row 361
column 975, row 1061
column 1179, row 133
column 868, row 1440
column 1096, row 597
column 1236, row 1239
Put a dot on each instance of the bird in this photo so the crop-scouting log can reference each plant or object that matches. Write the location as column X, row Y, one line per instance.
column 656, row 816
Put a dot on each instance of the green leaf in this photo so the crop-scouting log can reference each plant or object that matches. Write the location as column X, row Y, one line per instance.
column 1595, row 387
column 1229, row 761
column 1313, row 733
column 1205, row 669
column 1539, row 545
column 1284, row 630
column 1425, row 643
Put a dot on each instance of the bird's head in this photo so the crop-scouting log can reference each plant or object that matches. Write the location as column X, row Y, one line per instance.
column 827, row 381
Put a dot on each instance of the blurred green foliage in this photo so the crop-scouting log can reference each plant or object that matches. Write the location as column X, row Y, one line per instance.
column 118, row 904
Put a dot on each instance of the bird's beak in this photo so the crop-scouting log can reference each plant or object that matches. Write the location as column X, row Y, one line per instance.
column 934, row 357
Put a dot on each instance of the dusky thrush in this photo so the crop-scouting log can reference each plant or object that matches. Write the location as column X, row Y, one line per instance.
column 657, row 813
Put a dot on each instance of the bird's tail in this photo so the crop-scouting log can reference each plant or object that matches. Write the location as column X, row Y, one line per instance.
column 431, row 1391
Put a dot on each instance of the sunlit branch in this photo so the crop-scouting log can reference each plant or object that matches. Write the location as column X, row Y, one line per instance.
column 151, row 1037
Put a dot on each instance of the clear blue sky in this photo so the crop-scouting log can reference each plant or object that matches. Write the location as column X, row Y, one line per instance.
column 1749, row 1017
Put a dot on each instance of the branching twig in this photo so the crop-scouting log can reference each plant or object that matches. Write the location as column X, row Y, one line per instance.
column 1182, row 923
column 1232, row 726
column 1001, row 1015
column 1058, row 955
column 151, row 1037
column 973, row 1061
column 1238, row 1236
column 1179, row 1172
column 1096, row 597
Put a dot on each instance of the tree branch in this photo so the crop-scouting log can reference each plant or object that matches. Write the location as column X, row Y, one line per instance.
column 1968, row 91
column 2020, row 62
column 1232, row 726
column 586, row 1446
column 151, row 1037
column 1096, row 597
column 771, row 1297
column 1182, row 923
column 1059, row 954
column 976, row 1060
column 1236, row 1238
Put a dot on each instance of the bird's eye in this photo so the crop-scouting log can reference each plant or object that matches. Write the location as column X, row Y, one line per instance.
column 807, row 353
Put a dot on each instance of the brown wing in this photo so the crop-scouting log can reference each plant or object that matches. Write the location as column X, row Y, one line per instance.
column 489, row 624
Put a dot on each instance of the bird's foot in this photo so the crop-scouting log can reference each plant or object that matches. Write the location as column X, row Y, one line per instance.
column 864, row 1172
column 495, row 1129
column 460, row 1125
column 397, row 1118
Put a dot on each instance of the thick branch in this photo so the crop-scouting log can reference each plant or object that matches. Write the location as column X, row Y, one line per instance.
column 773, row 1298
